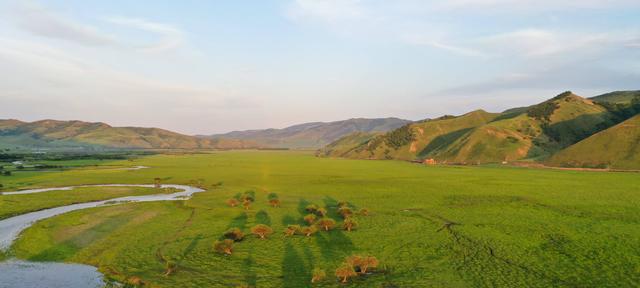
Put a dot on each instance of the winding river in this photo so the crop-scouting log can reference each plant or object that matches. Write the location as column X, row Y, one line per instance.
column 18, row 273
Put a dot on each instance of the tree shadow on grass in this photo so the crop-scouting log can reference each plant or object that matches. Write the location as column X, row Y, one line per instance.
column 288, row 220
column 334, row 244
column 239, row 221
column 262, row 217
column 250, row 276
column 295, row 272
column 302, row 205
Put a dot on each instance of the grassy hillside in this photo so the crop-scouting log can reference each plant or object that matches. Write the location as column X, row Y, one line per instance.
column 617, row 97
column 346, row 144
column 617, row 147
column 480, row 137
column 52, row 133
column 313, row 135
column 428, row 226
column 418, row 139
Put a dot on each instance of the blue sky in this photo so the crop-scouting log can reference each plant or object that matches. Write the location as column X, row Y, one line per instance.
column 214, row 66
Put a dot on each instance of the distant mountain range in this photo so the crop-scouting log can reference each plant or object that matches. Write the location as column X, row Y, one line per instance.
column 55, row 134
column 567, row 130
column 312, row 135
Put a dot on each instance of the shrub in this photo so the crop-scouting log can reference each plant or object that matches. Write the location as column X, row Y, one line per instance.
column 249, row 196
column 349, row 224
column 234, row 234
column 291, row 230
column 246, row 204
column 321, row 212
column 362, row 263
column 233, row 202
column 156, row 182
column 364, row 212
column 274, row 202
column 317, row 275
column 308, row 230
column 311, row 208
column 345, row 212
column 326, row 223
column 399, row 137
column 345, row 271
column 310, row 218
column 343, row 204
column 224, row 247
column 261, row 231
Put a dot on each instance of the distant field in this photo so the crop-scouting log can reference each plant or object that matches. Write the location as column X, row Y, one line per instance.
column 429, row 226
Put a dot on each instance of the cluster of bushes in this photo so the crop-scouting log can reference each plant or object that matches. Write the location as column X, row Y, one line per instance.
column 246, row 199
column 400, row 137
column 543, row 111
column 233, row 235
column 623, row 111
column 262, row 231
column 353, row 266
column 317, row 220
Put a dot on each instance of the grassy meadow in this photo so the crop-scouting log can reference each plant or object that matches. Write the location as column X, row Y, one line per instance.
column 429, row 226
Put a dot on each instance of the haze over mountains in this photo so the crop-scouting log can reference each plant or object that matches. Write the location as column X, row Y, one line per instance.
column 314, row 134
column 566, row 130
column 86, row 135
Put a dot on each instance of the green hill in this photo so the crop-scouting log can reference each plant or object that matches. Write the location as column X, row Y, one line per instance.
column 617, row 97
column 480, row 137
column 416, row 139
column 78, row 134
column 617, row 147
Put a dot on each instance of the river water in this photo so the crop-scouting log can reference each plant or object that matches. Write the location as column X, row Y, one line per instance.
column 18, row 273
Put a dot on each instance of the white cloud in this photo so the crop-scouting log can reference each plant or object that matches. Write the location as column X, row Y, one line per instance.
column 170, row 37
column 43, row 22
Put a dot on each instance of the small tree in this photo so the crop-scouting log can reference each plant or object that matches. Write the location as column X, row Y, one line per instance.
column 274, row 202
column 345, row 212
column 311, row 208
column 317, row 275
column 262, row 231
column 291, row 230
column 362, row 263
column 343, row 204
column 364, row 212
column 234, row 234
column 321, row 212
column 233, row 202
column 156, row 182
column 310, row 218
column 326, row 223
column 345, row 271
column 308, row 230
column 248, row 195
column 224, row 247
column 246, row 204
column 349, row 224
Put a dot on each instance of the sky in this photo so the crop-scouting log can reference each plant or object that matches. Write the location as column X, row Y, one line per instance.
column 204, row 67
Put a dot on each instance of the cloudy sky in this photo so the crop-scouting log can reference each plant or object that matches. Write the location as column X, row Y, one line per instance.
column 214, row 66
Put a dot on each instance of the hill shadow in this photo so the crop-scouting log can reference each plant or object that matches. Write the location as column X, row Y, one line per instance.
column 442, row 141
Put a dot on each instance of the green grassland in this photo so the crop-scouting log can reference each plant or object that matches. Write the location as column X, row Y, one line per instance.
column 430, row 226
